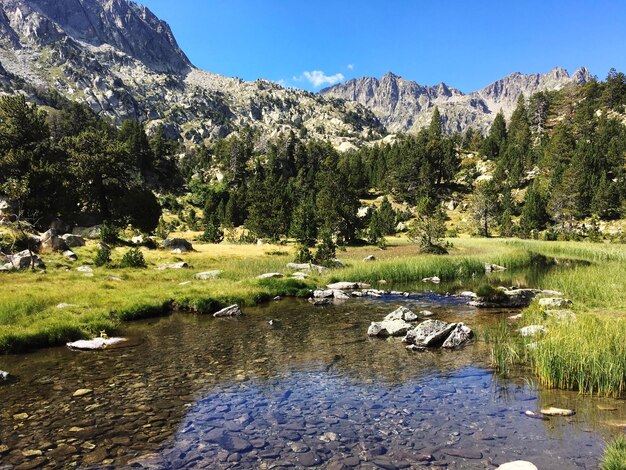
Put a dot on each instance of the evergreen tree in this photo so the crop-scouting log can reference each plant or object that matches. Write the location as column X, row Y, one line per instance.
column 304, row 224
column 213, row 233
column 484, row 206
column 495, row 142
column 387, row 217
column 429, row 227
column 534, row 215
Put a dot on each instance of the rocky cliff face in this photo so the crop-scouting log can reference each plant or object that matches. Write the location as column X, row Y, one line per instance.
column 404, row 105
column 124, row 62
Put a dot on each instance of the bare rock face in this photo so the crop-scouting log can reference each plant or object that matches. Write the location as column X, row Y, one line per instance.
column 123, row 62
column 404, row 105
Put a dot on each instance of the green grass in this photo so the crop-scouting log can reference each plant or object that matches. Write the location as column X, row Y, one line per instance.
column 615, row 455
column 29, row 317
column 589, row 354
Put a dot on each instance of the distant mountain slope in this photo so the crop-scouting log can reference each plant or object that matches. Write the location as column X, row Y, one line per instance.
column 124, row 62
column 404, row 105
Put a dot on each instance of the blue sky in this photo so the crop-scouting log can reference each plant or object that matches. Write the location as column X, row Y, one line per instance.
column 467, row 44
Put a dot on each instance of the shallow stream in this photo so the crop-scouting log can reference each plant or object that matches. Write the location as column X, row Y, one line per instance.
column 309, row 390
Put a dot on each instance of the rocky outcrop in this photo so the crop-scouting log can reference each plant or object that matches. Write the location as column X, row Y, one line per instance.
column 205, row 276
column 307, row 267
column 404, row 105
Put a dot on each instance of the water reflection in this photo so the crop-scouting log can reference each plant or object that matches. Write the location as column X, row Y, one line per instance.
column 310, row 389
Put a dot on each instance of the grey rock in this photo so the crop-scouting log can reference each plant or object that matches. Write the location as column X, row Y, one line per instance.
column 320, row 302
column 91, row 233
column 561, row 315
column 205, row 276
column 24, row 260
column 434, row 280
column 388, row 328
column 73, row 240
column 51, row 240
column 232, row 311
column 348, row 285
column 177, row 244
column 491, row 268
column 533, row 330
column 179, row 265
column 402, row 313
column 369, row 258
column 69, row 254
column 429, row 333
column 84, row 269
column 271, row 276
column 554, row 302
column 4, row 376
column 459, row 336
column 307, row 267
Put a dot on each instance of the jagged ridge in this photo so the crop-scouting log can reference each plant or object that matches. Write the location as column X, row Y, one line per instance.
column 404, row 105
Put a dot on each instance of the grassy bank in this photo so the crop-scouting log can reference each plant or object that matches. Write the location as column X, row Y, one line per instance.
column 615, row 455
column 588, row 354
column 30, row 317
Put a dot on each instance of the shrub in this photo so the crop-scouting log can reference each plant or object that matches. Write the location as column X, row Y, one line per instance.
column 304, row 255
column 109, row 233
column 490, row 293
column 133, row 258
column 103, row 255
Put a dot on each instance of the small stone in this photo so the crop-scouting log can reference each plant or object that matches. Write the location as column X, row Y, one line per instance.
column 328, row 437
column 426, row 313
column 553, row 411
column 82, row 392
column 517, row 465
column 369, row 258
column 4, row 449
column 433, row 279
column 20, row 416
column 271, row 276
column 84, row 269
column 32, row 453
column 533, row 330
column 205, row 276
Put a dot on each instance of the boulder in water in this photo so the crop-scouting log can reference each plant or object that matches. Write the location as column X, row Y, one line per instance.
column 388, row 328
column 429, row 333
column 517, row 465
column 402, row 313
column 95, row 344
column 232, row 311
column 459, row 336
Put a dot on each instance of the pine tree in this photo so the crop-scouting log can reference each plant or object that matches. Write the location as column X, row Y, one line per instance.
column 534, row 214
column 304, row 224
column 495, row 142
column 387, row 217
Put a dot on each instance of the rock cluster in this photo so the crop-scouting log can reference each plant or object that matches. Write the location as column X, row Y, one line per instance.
column 510, row 298
column 429, row 333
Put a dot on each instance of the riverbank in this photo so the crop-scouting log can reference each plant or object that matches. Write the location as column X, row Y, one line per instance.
column 63, row 304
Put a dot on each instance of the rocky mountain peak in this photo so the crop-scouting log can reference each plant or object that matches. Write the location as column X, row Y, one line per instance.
column 121, row 24
column 404, row 105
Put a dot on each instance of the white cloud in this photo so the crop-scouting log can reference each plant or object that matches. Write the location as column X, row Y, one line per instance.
column 317, row 78
column 350, row 66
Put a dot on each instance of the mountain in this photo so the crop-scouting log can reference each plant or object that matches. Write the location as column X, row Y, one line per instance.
column 121, row 60
column 404, row 105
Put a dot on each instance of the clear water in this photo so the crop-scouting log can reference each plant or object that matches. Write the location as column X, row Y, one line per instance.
column 310, row 390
